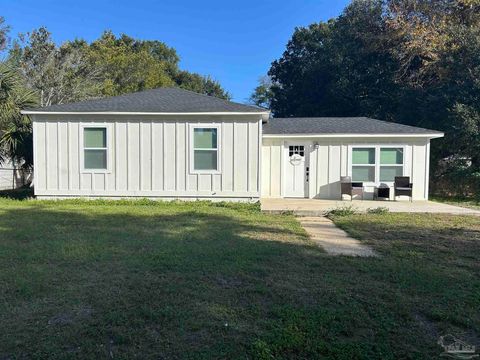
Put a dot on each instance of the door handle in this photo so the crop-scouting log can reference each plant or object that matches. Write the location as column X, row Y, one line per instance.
column 307, row 173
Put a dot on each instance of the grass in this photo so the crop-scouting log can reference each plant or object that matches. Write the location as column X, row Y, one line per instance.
column 152, row 280
column 468, row 202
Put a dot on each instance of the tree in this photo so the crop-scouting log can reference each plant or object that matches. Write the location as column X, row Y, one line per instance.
column 77, row 70
column 200, row 84
column 16, row 139
column 59, row 74
column 262, row 93
column 129, row 64
column 337, row 68
column 3, row 33
column 427, row 32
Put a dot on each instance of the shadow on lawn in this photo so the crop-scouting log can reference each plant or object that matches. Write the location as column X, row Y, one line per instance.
column 22, row 193
column 173, row 282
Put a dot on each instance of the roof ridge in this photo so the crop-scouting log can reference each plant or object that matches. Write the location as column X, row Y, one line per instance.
column 215, row 97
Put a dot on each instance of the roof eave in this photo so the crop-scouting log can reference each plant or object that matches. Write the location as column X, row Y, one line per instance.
column 35, row 112
column 432, row 135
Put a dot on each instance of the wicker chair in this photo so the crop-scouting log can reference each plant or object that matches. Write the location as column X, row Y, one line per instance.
column 350, row 188
column 403, row 186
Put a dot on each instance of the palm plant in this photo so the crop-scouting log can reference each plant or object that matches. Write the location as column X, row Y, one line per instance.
column 16, row 129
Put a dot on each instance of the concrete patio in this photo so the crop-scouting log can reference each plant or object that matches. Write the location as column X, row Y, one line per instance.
column 317, row 207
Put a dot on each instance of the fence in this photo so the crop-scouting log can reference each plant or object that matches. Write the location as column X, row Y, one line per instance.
column 11, row 178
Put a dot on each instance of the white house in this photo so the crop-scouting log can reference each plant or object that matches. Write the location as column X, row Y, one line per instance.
column 175, row 144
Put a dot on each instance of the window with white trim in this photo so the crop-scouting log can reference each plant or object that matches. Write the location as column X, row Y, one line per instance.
column 205, row 149
column 363, row 164
column 296, row 150
column 391, row 163
column 95, row 148
column 377, row 164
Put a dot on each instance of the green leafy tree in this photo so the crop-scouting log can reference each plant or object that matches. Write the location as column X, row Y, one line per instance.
column 59, row 74
column 262, row 94
column 3, row 33
column 111, row 65
column 129, row 64
column 200, row 84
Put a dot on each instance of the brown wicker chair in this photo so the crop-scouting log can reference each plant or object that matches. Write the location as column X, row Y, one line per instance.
column 350, row 188
column 403, row 186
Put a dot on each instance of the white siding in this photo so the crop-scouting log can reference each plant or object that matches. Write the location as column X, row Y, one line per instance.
column 330, row 161
column 149, row 157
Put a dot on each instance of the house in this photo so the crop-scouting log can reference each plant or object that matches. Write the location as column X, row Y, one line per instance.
column 176, row 144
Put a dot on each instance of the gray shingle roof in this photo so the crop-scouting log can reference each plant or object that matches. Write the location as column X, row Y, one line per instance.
column 164, row 100
column 339, row 125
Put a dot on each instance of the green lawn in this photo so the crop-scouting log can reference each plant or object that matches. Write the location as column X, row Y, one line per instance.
column 471, row 202
column 117, row 280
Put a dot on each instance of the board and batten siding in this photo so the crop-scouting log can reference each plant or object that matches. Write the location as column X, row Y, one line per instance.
column 330, row 160
column 149, row 157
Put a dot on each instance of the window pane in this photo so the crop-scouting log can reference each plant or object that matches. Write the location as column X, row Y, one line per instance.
column 205, row 138
column 363, row 173
column 363, row 156
column 95, row 137
column 205, row 160
column 391, row 156
column 388, row 173
column 95, row 159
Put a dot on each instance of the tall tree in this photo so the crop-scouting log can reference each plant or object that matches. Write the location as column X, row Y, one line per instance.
column 59, row 74
column 262, row 94
column 111, row 65
column 16, row 130
column 3, row 33
column 129, row 64
column 200, row 84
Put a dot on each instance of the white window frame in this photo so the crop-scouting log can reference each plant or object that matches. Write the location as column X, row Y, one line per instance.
column 108, row 149
column 377, row 164
column 192, row 148
column 374, row 165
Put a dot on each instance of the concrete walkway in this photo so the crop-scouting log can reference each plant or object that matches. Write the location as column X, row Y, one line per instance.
column 318, row 207
column 335, row 241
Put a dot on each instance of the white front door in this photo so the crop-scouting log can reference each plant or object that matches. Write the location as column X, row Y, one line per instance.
column 296, row 170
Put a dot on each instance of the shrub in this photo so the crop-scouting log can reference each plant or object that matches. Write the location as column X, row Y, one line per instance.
column 378, row 210
column 343, row 210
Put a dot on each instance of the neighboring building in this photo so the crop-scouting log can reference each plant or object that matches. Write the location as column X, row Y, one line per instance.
column 175, row 144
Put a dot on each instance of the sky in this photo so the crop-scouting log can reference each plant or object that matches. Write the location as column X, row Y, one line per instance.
column 232, row 41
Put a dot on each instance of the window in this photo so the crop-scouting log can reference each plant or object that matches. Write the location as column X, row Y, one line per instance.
column 300, row 150
column 95, row 148
column 391, row 163
column 205, row 149
column 363, row 164
column 377, row 163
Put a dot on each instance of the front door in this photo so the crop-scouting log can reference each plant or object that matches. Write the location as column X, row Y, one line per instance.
column 296, row 170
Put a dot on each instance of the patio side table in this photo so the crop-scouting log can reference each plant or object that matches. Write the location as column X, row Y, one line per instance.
column 382, row 192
